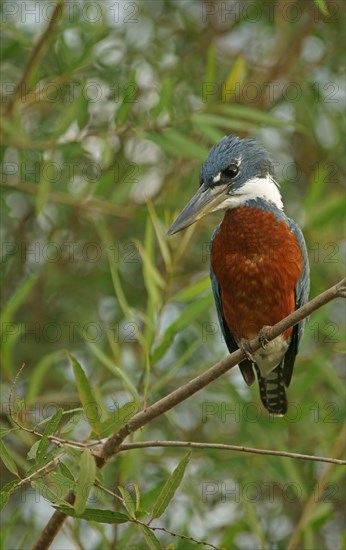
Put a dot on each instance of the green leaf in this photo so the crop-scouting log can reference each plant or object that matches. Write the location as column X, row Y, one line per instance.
column 37, row 376
column 222, row 121
column 66, row 472
column 6, row 491
column 118, row 419
column 108, row 362
column 49, row 430
column 170, row 487
column 316, row 187
column 95, row 514
column 9, row 330
column 191, row 292
column 177, row 144
column 128, row 501
column 256, row 116
column 42, row 449
column 53, row 422
column 235, row 80
column 150, row 268
column 32, row 452
column 160, row 236
column 49, row 491
column 322, row 6
column 189, row 314
column 150, row 538
column 7, row 459
column 90, row 406
column 118, row 288
column 77, row 416
column 85, row 481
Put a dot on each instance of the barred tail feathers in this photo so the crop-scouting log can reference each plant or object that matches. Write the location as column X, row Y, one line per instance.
column 272, row 390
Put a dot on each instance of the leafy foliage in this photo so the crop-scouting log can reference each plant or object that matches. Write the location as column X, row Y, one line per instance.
column 106, row 120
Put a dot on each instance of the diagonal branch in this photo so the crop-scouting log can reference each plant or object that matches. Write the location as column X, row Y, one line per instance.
column 113, row 444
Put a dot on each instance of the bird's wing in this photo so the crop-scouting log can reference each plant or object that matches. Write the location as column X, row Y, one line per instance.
column 246, row 365
column 301, row 292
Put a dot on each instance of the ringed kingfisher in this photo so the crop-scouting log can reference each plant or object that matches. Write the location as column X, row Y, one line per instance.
column 259, row 264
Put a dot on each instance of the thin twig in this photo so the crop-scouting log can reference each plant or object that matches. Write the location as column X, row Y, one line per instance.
column 221, row 446
column 136, row 520
column 34, row 474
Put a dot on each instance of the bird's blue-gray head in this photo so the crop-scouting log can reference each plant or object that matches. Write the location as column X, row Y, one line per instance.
column 236, row 171
column 237, row 159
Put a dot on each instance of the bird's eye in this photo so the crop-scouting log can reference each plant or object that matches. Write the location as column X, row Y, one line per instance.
column 231, row 171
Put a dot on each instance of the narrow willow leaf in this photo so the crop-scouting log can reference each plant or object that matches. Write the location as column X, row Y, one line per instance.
column 49, row 430
column 85, row 481
column 32, row 452
column 22, row 290
column 128, row 501
column 118, row 419
column 108, row 362
column 66, row 472
column 256, row 116
column 321, row 4
column 161, row 239
column 49, row 491
column 37, row 376
column 7, row 459
column 118, row 288
column 170, row 487
column 90, row 406
column 95, row 514
column 77, row 417
column 234, row 81
column 6, row 491
column 149, row 266
column 316, row 187
column 208, row 131
column 150, row 538
column 192, row 291
column 187, row 316
column 53, row 423
column 177, row 144
column 42, row 449
column 222, row 121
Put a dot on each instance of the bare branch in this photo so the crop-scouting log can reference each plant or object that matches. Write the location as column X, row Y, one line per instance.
column 237, row 448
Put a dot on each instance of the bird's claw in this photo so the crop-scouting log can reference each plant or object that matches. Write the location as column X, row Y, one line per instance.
column 244, row 345
column 263, row 336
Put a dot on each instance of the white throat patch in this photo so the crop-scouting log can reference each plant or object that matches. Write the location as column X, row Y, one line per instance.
column 256, row 188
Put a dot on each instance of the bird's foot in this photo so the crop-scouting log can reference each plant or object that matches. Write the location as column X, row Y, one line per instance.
column 263, row 336
column 244, row 345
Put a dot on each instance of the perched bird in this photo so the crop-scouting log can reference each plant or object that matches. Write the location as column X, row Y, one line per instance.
column 259, row 264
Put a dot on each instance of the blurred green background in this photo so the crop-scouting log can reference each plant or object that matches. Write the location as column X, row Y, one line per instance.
column 108, row 113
